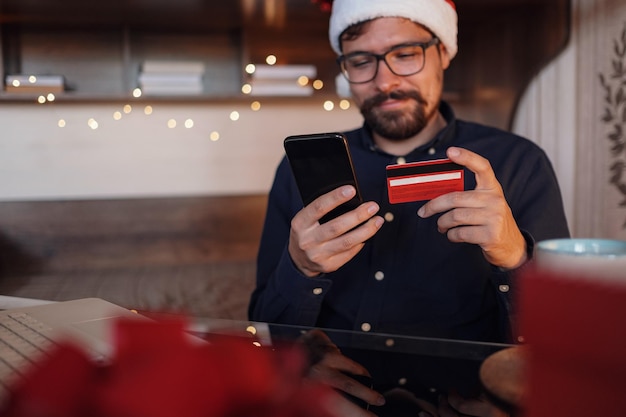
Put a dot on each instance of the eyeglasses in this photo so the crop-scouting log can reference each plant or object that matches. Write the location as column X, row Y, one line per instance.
column 403, row 60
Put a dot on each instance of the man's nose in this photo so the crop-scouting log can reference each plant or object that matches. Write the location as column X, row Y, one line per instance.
column 385, row 79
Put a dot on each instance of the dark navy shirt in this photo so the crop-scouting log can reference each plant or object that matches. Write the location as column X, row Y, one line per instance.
column 409, row 278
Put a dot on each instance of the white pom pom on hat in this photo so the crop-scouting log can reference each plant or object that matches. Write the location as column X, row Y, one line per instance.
column 438, row 16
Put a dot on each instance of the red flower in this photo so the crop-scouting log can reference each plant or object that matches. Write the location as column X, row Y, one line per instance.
column 159, row 371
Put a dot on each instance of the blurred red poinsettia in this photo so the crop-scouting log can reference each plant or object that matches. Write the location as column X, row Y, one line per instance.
column 159, row 371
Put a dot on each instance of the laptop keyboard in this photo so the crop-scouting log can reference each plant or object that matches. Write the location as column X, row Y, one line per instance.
column 22, row 341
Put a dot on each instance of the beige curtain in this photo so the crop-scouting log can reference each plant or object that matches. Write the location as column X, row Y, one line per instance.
column 564, row 111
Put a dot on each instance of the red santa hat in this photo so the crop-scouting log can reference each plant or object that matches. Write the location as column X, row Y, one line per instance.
column 438, row 16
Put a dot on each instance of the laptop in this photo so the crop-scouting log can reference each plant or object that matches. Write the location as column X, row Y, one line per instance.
column 27, row 332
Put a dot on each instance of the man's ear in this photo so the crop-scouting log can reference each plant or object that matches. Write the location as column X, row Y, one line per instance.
column 443, row 54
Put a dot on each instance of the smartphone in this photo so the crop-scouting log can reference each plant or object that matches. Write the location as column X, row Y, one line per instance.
column 320, row 163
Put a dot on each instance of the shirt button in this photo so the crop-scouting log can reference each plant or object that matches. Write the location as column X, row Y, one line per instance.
column 432, row 151
column 401, row 160
column 380, row 275
column 317, row 291
column 366, row 327
column 389, row 217
column 504, row 288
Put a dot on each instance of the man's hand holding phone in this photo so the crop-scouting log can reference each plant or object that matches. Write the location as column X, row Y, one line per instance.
column 320, row 248
column 334, row 224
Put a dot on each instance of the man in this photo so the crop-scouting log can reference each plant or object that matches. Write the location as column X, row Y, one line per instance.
column 443, row 268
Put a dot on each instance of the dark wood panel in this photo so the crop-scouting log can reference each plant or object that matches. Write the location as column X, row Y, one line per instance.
column 57, row 236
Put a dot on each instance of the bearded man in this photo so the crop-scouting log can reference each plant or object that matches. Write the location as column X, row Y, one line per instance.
column 443, row 268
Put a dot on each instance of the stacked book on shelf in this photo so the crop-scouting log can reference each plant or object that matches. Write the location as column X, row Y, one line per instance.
column 282, row 80
column 171, row 78
column 34, row 84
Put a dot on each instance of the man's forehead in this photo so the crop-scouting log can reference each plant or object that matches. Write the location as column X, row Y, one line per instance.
column 383, row 33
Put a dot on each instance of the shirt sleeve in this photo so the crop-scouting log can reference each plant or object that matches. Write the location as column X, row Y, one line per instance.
column 534, row 196
column 505, row 284
column 283, row 294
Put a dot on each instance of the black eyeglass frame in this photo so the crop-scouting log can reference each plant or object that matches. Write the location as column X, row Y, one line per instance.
column 383, row 57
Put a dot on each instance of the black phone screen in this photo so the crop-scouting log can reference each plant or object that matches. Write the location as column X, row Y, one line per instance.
column 320, row 163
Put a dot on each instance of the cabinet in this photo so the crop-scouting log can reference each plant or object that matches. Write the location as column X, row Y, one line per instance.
column 106, row 63
column 99, row 47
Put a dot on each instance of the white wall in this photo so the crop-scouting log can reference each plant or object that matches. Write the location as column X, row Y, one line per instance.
column 139, row 155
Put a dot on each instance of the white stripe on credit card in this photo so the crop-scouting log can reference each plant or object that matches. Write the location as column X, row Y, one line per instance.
column 425, row 178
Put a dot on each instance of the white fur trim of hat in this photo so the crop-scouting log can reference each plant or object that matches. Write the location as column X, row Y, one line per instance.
column 439, row 16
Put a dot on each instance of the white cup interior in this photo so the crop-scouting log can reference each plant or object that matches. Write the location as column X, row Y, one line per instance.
column 587, row 258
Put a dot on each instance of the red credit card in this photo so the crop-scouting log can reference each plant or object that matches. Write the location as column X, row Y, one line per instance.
column 419, row 181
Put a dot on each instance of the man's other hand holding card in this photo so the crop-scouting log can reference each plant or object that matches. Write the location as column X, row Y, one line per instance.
column 481, row 216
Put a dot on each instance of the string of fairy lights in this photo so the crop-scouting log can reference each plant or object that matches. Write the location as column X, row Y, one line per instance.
column 188, row 123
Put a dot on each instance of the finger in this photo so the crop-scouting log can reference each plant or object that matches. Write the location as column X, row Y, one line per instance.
column 348, row 244
column 468, row 234
column 475, row 216
column 449, row 201
column 459, row 217
column 340, row 406
column 341, row 372
column 318, row 345
column 348, row 221
column 329, row 354
column 345, row 383
column 337, row 361
column 335, row 253
column 485, row 177
column 357, row 389
column 326, row 203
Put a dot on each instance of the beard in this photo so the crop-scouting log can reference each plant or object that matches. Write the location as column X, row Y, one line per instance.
column 396, row 125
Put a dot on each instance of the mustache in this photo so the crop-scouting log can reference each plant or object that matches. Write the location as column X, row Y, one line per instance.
column 380, row 98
